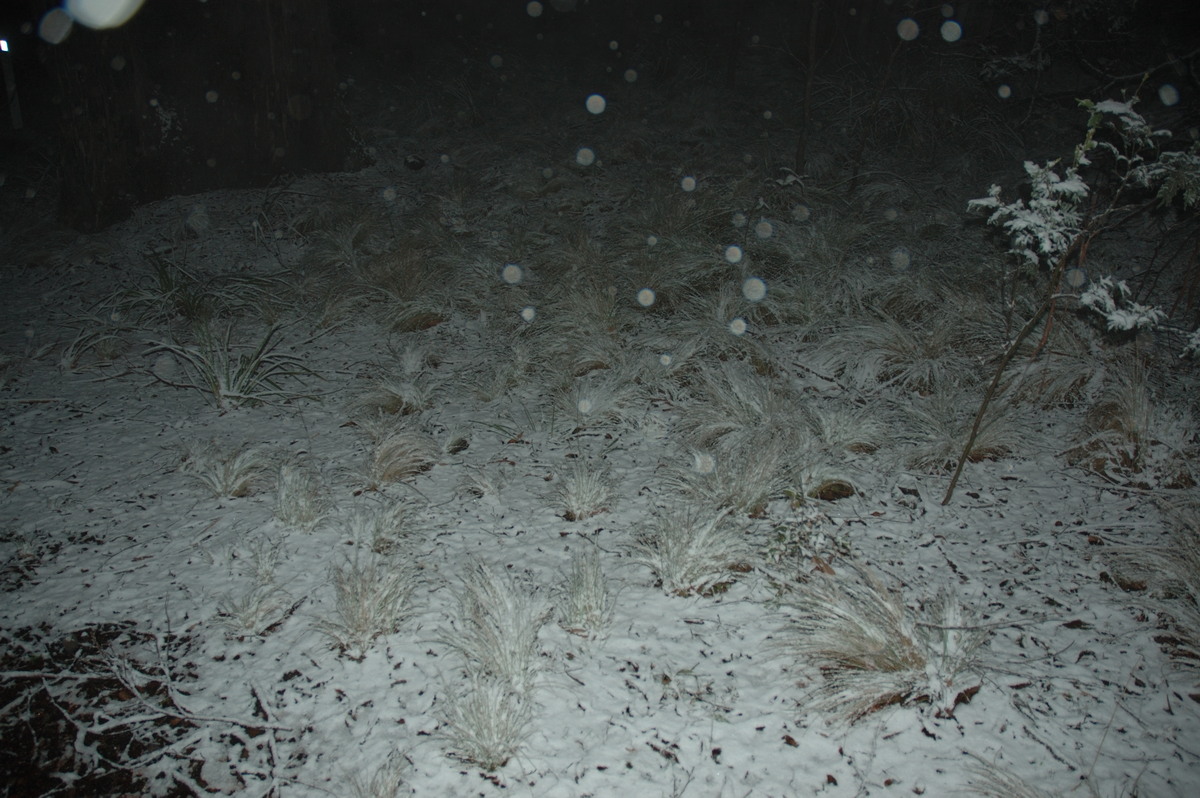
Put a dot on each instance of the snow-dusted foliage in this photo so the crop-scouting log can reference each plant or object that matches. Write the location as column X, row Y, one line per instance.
column 1040, row 231
column 1112, row 301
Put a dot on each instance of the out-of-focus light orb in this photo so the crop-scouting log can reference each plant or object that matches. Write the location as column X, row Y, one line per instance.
column 801, row 213
column 764, row 229
column 754, row 289
column 1168, row 94
column 1004, row 91
column 891, row 214
column 211, row 96
column 951, row 31
column 652, row 241
column 585, row 156
column 528, row 313
column 1041, row 17
column 1075, row 278
column 900, row 259
column 665, row 359
column 534, row 9
column 596, row 104
column 908, row 29
column 688, row 183
column 947, row 10
column 631, row 76
column 55, row 26
column 738, row 219
column 102, row 14
column 733, row 253
column 738, row 326
column 645, row 297
column 512, row 273
column 496, row 61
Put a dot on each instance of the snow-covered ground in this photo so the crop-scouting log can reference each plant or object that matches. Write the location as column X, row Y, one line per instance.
column 580, row 479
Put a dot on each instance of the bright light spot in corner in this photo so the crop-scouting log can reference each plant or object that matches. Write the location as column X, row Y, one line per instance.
column 645, row 297
column 733, row 253
column 534, row 9
column 908, row 29
column 512, row 273
column 585, row 156
column 951, row 31
column 688, row 183
column 1168, row 94
column 102, row 14
column 754, row 289
column 596, row 104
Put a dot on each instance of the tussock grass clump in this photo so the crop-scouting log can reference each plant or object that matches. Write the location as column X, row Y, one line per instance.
column 232, row 374
column 588, row 604
column 228, row 473
column 372, row 598
column 692, row 551
column 871, row 650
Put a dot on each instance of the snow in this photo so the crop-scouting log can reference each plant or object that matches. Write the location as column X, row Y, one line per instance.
column 102, row 527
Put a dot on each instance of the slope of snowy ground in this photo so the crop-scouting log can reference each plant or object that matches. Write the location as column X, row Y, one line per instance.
column 481, row 400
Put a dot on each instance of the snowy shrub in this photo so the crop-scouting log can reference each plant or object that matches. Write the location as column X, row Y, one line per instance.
column 487, row 721
column 1041, row 230
column 400, row 455
column 587, row 605
column 255, row 611
column 386, row 781
column 747, row 477
column 872, row 652
column 934, row 428
column 300, row 499
column 497, row 628
column 372, row 598
column 584, row 492
column 381, row 527
column 393, row 396
column 804, row 539
column 233, row 375
column 1112, row 301
column 228, row 474
column 1131, row 438
column 692, row 551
